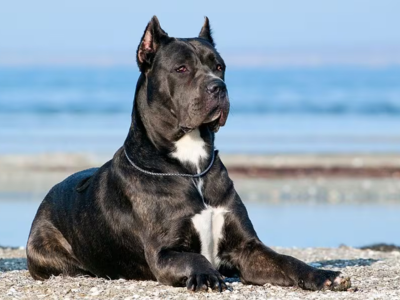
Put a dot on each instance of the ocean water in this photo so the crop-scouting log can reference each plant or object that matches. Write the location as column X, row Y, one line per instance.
column 298, row 110
column 276, row 225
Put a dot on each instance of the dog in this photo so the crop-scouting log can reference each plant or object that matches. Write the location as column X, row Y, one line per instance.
column 164, row 208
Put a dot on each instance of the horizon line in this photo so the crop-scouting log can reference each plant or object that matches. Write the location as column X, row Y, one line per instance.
column 234, row 59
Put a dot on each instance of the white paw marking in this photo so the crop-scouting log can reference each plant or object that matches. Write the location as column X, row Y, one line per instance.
column 209, row 224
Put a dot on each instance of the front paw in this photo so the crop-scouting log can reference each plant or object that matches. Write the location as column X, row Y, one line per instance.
column 202, row 281
column 324, row 280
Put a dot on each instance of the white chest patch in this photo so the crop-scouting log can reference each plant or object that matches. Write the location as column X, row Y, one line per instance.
column 190, row 148
column 209, row 224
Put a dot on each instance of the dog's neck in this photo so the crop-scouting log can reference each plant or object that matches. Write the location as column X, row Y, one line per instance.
column 159, row 143
column 191, row 149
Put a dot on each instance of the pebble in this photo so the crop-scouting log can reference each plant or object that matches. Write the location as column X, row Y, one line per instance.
column 374, row 275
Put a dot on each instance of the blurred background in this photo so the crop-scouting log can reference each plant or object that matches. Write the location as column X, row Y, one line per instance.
column 313, row 138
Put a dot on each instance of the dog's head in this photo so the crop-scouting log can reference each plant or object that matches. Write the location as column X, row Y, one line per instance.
column 185, row 77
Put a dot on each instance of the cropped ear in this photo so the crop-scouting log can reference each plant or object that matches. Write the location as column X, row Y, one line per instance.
column 205, row 32
column 152, row 37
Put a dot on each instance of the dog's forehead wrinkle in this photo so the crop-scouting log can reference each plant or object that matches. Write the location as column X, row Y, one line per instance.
column 181, row 45
column 204, row 46
column 180, row 54
column 192, row 42
column 202, row 49
column 196, row 54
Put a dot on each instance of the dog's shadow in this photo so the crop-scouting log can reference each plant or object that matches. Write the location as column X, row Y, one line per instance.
column 17, row 264
column 343, row 263
column 13, row 264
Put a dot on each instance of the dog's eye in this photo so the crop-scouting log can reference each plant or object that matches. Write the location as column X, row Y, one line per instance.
column 219, row 68
column 181, row 69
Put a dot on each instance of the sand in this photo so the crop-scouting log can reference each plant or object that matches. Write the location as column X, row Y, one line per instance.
column 374, row 275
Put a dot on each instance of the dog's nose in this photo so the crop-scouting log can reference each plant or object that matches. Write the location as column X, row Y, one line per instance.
column 216, row 86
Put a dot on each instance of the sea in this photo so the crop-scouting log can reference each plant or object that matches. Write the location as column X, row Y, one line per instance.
column 319, row 110
column 273, row 111
column 283, row 225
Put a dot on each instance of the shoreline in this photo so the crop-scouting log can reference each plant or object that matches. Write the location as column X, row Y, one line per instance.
column 291, row 178
column 253, row 165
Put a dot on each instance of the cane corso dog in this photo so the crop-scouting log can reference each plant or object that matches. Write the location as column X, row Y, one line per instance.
column 164, row 208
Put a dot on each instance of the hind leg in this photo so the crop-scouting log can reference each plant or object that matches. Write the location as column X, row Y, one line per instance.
column 49, row 253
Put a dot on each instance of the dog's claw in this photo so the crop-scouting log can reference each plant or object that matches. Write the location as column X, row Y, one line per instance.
column 222, row 286
column 341, row 284
column 325, row 280
column 205, row 282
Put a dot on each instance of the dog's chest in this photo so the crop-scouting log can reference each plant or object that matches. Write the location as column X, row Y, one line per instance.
column 190, row 149
column 209, row 224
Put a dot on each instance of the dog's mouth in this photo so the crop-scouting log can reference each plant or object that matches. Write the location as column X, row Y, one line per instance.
column 214, row 119
column 213, row 123
column 213, row 115
column 217, row 118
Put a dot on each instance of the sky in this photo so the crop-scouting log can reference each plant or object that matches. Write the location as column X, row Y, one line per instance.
column 49, row 30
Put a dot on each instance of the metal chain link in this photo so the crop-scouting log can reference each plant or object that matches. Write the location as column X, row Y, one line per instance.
column 215, row 152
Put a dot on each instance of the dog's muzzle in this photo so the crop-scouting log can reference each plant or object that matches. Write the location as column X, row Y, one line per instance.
column 219, row 108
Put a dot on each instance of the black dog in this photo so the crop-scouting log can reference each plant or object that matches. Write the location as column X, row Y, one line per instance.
column 142, row 215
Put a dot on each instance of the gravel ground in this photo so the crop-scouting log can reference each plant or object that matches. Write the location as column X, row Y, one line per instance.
column 374, row 275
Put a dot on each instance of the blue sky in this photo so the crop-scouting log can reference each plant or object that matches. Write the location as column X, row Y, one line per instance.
column 108, row 28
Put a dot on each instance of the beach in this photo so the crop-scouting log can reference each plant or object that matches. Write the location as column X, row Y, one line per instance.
column 374, row 275
column 294, row 178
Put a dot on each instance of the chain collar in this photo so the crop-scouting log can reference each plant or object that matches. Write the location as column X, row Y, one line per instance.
column 214, row 153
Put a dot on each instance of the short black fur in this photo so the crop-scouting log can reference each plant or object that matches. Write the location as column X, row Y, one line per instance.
column 117, row 222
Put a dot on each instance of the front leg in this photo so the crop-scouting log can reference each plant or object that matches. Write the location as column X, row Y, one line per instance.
column 188, row 269
column 258, row 264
